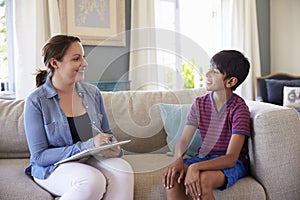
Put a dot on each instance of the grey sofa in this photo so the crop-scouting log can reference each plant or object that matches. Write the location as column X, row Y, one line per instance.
column 273, row 148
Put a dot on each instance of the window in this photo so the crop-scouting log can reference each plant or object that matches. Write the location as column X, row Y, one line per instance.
column 6, row 48
column 198, row 20
column 3, row 49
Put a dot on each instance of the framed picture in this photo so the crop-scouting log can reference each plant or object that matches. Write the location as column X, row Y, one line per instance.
column 96, row 22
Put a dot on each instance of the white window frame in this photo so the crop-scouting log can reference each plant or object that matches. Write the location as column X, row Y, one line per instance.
column 216, row 42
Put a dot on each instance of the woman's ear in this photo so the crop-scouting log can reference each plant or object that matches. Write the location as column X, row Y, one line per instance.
column 231, row 82
column 53, row 63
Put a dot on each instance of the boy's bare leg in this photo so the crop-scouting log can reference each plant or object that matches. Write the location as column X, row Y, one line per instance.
column 177, row 192
column 209, row 181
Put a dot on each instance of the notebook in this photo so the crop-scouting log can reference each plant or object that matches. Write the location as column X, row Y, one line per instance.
column 91, row 151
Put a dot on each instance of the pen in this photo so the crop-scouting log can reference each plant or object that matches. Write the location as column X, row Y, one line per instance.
column 107, row 140
column 95, row 127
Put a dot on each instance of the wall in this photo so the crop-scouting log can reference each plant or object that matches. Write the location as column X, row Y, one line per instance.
column 263, row 23
column 107, row 63
column 285, row 32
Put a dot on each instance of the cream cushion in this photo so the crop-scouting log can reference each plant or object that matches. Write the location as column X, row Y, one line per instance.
column 291, row 97
column 136, row 115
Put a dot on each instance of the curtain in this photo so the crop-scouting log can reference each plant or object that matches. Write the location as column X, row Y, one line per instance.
column 143, row 69
column 33, row 22
column 240, row 33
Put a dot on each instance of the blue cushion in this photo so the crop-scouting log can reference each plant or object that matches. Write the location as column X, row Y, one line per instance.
column 275, row 89
column 174, row 119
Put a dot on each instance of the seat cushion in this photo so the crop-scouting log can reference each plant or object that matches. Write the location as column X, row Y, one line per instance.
column 15, row 184
column 148, row 169
column 148, row 184
column 246, row 188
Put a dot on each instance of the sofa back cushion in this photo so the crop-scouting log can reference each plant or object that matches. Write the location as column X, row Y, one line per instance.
column 274, row 149
column 136, row 115
column 133, row 115
column 13, row 142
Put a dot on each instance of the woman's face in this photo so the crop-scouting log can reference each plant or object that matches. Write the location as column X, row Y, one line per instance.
column 71, row 68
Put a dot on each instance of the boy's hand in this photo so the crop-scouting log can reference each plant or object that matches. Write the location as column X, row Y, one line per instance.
column 171, row 173
column 192, row 182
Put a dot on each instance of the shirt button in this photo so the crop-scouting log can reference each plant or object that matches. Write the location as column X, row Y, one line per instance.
column 86, row 106
column 93, row 122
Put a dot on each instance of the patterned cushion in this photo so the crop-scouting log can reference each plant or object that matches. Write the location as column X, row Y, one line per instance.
column 291, row 97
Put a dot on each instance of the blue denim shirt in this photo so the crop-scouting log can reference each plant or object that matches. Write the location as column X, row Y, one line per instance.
column 47, row 129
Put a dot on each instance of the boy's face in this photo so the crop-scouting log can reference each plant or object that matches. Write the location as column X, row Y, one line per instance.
column 215, row 79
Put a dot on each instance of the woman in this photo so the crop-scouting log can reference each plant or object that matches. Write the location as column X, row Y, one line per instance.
column 59, row 116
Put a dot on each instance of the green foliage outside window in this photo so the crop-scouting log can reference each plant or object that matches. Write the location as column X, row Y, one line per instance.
column 188, row 75
column 3, row 45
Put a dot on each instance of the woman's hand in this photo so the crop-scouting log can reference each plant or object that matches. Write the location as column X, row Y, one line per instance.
column 173, row 172
column 104, row 138
column 111, row 152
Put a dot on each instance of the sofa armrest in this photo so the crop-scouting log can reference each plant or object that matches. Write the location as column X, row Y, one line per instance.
column 274, row 149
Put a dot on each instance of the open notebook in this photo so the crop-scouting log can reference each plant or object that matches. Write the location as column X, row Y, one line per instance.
column 91, row 151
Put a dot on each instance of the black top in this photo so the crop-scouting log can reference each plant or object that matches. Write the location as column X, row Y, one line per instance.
column 81, row 129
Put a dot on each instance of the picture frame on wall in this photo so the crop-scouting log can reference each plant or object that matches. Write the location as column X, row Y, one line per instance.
column 96, row 22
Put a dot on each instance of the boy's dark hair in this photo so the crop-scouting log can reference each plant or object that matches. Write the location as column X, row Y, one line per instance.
column 232, row 63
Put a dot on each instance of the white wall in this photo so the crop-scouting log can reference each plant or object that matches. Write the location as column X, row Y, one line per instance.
column 285, row 36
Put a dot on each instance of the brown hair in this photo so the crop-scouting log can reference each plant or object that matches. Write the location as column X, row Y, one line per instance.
column 56, row 47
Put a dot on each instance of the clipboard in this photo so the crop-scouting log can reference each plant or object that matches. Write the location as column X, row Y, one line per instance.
column 91, row 151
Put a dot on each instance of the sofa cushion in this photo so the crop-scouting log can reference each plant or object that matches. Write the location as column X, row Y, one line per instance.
column 174, row 119
column 245, row 188
column 15, row 184
column 149, row 168
column 291, row 97
column 148, row 174
column 135, row 115
column 13, row 143
column 275, row 89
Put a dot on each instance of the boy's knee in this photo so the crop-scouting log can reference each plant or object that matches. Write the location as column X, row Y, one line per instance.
column 205, row 182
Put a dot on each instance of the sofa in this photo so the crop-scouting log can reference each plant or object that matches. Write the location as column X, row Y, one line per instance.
column 274, row 148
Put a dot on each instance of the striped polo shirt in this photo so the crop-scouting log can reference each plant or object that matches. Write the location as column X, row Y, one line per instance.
column 216, row 127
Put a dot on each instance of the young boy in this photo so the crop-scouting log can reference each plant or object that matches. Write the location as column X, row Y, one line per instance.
column 223, row 120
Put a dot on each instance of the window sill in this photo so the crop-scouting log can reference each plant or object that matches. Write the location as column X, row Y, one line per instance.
column 7, row 95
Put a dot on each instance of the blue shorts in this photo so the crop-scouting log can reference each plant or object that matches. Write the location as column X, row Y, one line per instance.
column 232, row 175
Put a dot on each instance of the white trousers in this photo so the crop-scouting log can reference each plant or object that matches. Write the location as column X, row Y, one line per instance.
column 107, row 179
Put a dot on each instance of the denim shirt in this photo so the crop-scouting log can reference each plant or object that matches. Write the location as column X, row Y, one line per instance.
column 47, row 129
